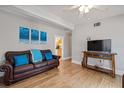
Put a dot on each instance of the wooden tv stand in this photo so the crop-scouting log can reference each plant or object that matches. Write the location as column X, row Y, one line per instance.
column 99, row 55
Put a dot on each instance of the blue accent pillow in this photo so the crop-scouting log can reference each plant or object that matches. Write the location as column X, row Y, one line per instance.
column 36, row 55
column 48, row 56
column 21, row 60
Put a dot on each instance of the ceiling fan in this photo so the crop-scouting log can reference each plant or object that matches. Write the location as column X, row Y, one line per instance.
column 84, row 9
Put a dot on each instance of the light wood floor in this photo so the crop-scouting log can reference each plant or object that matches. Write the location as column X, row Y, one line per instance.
column 69, row 75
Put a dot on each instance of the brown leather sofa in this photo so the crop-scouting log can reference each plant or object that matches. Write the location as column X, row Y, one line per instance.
column 13, row 74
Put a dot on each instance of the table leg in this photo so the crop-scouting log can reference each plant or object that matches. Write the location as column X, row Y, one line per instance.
column 84, row 60
column 113, row 66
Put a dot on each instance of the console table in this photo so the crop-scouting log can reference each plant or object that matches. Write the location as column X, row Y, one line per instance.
column 99, row 55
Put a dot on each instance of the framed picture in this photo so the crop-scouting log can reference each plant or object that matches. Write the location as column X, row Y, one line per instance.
column 43, row 37
column 24, row 34
column 34, row 36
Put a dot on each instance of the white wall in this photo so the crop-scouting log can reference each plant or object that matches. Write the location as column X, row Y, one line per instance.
column 111, row 28
column 9, row 34
column 68, row 41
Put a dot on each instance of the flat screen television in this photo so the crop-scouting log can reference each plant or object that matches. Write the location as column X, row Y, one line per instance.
column 99, row 45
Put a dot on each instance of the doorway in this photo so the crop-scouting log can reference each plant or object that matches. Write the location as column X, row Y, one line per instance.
column 59, row 46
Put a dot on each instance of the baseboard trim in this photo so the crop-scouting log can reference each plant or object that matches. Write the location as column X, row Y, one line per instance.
column 76, row 62
column 67, row 58
column 118, row 72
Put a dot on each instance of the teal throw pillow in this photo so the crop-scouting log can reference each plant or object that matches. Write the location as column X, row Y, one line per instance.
column 36, row 55
column 21, row 60
column 48, row 56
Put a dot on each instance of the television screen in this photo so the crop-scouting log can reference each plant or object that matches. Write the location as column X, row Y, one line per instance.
column 99, row 45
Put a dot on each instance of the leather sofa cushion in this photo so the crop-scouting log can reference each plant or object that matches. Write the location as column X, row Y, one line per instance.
column 41, row 64
column 24, row 68
column 53, row 61
column 31, row 72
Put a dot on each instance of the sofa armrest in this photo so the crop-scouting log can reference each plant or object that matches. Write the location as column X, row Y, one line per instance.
column 123, row 81
column 56, row 57
column 8, row 70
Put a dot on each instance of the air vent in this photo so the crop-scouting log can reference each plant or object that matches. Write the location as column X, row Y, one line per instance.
column 97, row 24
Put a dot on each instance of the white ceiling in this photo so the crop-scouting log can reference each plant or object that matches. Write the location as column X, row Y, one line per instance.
column 72, row 16
column 35, row 13
column 61, row 16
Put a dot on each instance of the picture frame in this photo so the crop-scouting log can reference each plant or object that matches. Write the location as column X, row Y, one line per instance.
column 24, row 34
column 34, row 36
column 43, row 37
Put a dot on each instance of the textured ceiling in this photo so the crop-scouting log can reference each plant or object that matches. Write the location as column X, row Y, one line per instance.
column 72, row 16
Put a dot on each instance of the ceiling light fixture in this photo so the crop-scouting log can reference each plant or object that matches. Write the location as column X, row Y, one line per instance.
column 82, row 8
column 85, row 8
column 90, row 6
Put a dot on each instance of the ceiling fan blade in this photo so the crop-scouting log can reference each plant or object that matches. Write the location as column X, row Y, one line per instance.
column 101, row 10
column 74, row 7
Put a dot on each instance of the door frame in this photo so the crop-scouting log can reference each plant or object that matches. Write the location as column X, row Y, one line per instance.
column 59, row 36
